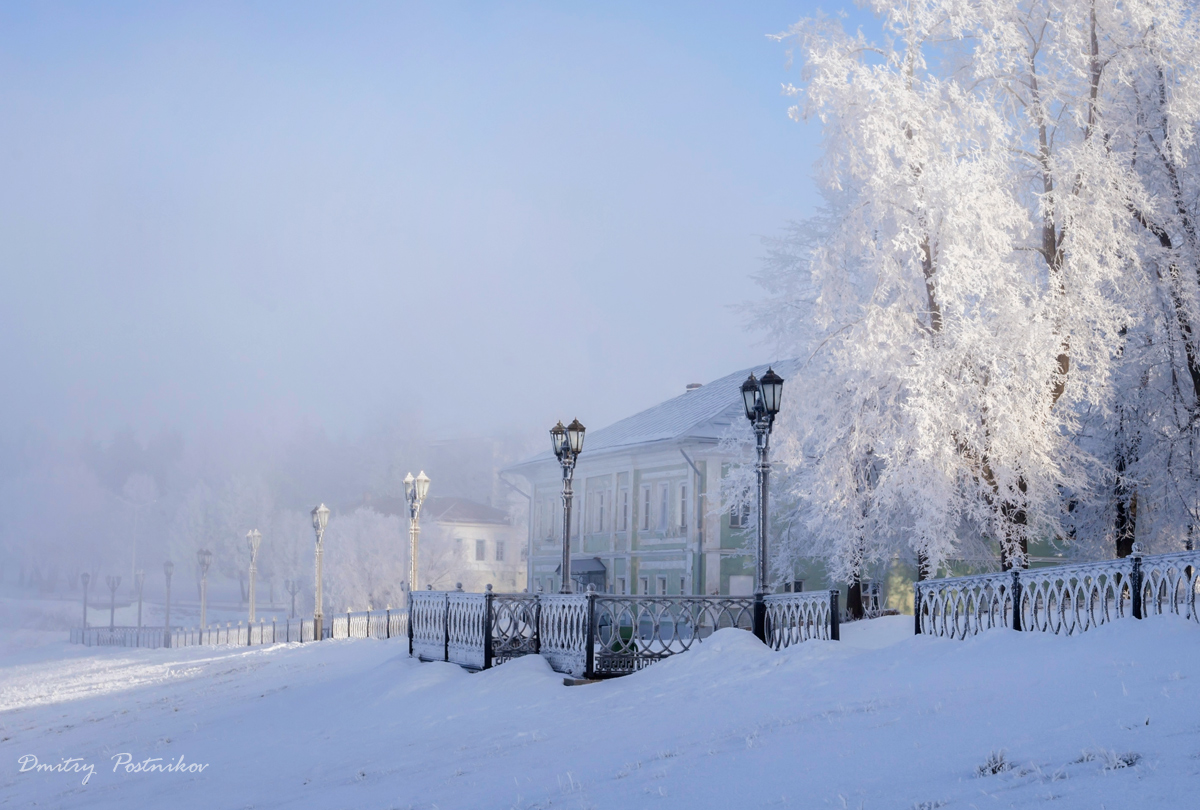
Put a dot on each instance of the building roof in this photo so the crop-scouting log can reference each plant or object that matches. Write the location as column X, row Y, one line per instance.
column 443, row 509
column 703, row 413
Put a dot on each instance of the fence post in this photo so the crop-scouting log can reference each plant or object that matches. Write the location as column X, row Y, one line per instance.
column 487, row 628
column 1135, row 581
column 917, row 608
column 589, row 650
column 387, row 618
column 446, row 627
column 835, row 611
column 1016, row 594
column 411, row 610
column 760, row 618
column 537, row 624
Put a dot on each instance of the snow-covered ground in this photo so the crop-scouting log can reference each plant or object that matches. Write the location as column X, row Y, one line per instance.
column 883, row 719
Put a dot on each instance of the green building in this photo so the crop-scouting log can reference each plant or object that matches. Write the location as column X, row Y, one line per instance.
column 645, row 518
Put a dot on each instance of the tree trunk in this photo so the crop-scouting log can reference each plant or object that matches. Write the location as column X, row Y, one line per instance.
column 854, row 601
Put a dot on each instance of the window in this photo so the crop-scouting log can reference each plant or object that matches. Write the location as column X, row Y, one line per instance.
column 682, row 585
column 623, row 518
column 480, row 550
column 664, row 506
column 739, row 516
column 683, row 507
column 643, row 585
column 662, row 586
column 548, row 522
column 598, row 505
column 499, row 551
column 621, row 585
column 646, row 508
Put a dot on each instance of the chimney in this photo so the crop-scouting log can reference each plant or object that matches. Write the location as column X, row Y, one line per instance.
column 694, row 386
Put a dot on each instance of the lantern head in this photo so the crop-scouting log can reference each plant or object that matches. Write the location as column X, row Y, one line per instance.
column 771, row 386
column 320, row 517
column 750, row 397
column 575, row 433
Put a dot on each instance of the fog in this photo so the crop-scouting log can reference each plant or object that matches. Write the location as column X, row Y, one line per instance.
column 256, row 257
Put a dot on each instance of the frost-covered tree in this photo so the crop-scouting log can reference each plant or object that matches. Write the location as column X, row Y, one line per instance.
column 991, row 241
column 366, row 558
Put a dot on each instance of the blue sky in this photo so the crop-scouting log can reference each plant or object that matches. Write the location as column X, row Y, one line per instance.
column 483, row 216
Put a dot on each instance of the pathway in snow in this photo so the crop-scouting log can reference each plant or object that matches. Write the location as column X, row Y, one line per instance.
column 880, row 720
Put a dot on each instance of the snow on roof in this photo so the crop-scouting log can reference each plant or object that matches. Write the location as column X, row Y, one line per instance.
column 442, row 509
column 701, row 413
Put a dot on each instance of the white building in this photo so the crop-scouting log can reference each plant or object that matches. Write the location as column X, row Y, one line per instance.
column 644, row 490
column 463, row 541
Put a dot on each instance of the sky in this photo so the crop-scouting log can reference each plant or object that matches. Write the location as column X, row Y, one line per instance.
column 481, row 217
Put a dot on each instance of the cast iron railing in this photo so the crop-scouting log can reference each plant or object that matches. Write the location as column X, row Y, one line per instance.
column 597, row 635
column 1062, row 599
column 796, row 617
column 366, row 624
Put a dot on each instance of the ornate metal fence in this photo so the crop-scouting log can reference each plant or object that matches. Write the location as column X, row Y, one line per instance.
column 963, row 606
column 152, row 638
column 383, row 624
column 563, row 632
column 467, row 629
column 1063, row 599
column 596, row 635
column 632, row 632
column 514, row 630
column 367, row 624
column 796, row 617
column 1170, row 583
column 427, row 625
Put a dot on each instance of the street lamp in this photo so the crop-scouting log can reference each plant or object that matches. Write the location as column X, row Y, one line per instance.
column 254, row 538
column 320, row 518
column 761, row 399
column 139, row 578
column 415, row 490
column 568, row 444
column 85, row 578
column 204, row 560
column 292, row 587
column 113, row 584
column 168, row 569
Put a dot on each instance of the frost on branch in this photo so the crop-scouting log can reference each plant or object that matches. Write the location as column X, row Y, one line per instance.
column 997, row 305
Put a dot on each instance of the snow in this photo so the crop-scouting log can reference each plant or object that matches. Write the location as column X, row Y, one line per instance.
column 881, row 719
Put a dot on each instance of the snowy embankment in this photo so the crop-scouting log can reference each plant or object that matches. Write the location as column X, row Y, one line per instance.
column 880, row 720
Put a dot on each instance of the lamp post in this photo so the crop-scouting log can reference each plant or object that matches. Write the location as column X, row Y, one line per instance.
column 761, row 399
column 168, row 569
column 415, row 490
column 113, row 584
column 568, row 444
column 204, row 560
column 320, row 518
column 254, row 539
column 85, row 578
column 139, row 578
column 292, row 587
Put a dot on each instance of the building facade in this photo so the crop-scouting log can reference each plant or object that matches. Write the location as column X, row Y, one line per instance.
column 464, row 541
column 646, row 516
